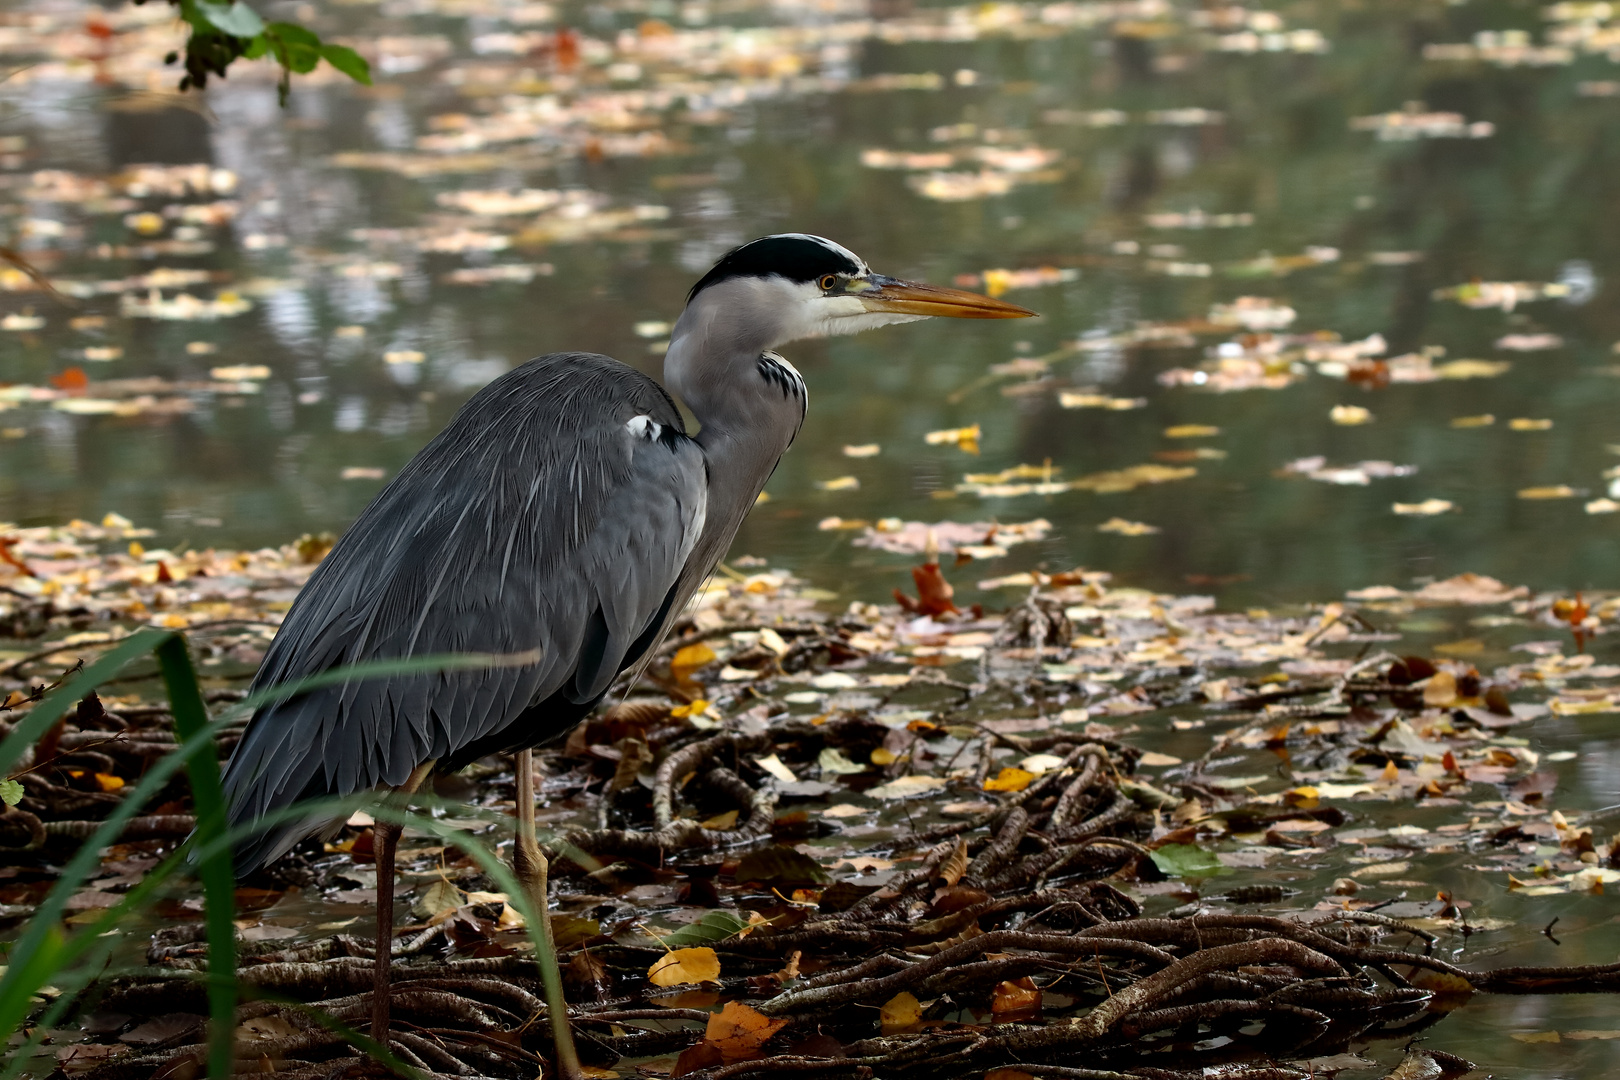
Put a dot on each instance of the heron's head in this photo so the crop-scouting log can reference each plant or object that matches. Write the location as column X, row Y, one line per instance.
column 792, row 286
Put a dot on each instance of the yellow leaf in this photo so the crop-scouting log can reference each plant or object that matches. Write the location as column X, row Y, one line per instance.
column 1153, row 758
column 883, row 756
column 965, row 438
column 721, row 821
column 1391, row 773
column 1483, row 420
column 1537, row 1036
column 681, row 966
column 863, row 450
column 1525, row 423
column 1191, row 431
column 1010, row 778
column 1440, row 690
column 1350, row 415
column 1555, row 491
column 899, row 1013
column 690, row 709
column 108, row 782
column 1127, row 528
column 839, row 483
column 1426, row 508
column 689, row 659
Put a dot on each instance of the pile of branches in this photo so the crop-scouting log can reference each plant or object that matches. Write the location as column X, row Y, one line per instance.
column 1013, row 904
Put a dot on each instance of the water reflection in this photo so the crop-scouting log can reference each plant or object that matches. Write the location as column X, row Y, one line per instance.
column 1172, row 158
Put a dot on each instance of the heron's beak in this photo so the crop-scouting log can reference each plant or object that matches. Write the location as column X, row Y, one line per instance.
column 878, row 293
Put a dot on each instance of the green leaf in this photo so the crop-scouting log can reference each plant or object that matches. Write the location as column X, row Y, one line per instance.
column 348, row 61
column 235, row 18
column 833, row 762
column 259, row 46
column 11, row 792
column 714, row 926
column 293, row 34
column 1187, row 860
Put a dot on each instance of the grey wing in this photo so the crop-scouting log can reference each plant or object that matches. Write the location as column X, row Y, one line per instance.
column 554, row 513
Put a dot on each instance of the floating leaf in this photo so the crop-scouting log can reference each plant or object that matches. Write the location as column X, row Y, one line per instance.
column 714, row 926
column 833, row 762
column 681, row 966
column 906, row 787
column 1127, row 528
column 780, row 865
column 964, row 438
column 1187, row 860
column 740, row 1033
column 1191, row 431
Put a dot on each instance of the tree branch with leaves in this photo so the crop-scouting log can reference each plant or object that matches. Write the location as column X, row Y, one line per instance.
column 221, row 34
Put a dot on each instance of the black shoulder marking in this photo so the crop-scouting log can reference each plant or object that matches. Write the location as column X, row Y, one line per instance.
column 781, row 375
column 795, row 256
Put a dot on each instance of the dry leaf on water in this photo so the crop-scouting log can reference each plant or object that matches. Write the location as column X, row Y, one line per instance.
column 681, row 966
column 740, row 1033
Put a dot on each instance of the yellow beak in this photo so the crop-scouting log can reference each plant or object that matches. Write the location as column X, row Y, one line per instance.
column 915, row 298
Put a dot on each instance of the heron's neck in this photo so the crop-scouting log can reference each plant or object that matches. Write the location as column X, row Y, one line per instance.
column 750, row 409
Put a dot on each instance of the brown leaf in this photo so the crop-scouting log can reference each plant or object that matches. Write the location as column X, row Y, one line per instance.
column 163, row 1028
column 955, row 864
column 740, row 1033
column 705, row 1055
column 1019, row 996
column 633, row 757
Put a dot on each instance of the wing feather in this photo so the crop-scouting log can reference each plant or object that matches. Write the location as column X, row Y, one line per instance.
column 537, row 520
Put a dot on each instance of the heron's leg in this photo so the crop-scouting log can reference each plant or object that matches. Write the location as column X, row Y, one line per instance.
column 385, row 838
column 529, row 864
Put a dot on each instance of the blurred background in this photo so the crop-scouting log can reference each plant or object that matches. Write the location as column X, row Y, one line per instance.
column 1335, row 273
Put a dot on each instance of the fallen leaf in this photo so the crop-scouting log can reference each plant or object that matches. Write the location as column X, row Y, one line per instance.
column 773, row 765
column 714, row 926
column 964, row 438
column 1525, row 423
column 900, row 1013
column 955, row 864
column 1556, row 491
column 1350, row 415
column 1010, row 778
column 1187, row 860
column 1018, row 996
column 1127, row 528
column 1154, row 758
column 1426, row 508
column 906, row 787
column 740, row 1033
column 690, row 658
column 681, row 966
column 1536, row 1036
column 1191, row 431
column 833, row 762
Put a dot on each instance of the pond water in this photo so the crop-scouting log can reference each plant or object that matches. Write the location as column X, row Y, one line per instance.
column 1312, row 264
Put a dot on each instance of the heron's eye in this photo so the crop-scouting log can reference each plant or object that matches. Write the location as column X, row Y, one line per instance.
column 828, row 282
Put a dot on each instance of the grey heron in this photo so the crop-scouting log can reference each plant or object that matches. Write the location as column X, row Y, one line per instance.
column 564, row 512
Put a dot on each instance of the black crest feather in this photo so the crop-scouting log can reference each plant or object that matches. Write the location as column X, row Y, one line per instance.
column 795, row 256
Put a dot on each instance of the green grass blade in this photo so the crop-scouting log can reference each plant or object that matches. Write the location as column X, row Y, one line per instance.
column 215, row 872
column 16, row 993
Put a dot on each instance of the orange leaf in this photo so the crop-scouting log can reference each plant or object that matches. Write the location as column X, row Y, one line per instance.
column 741, row 1033
column 1015, row 997
column 956, row 863
column 933, row 592
column 109, row 782
column 72, row 380
column 689, row 659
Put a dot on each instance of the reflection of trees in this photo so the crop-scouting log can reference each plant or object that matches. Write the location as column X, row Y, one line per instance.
column 1515, row 206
